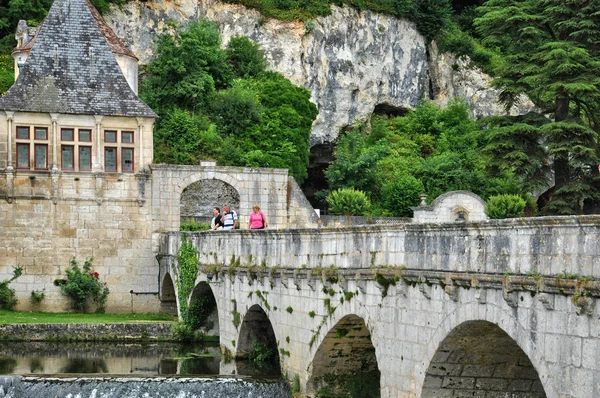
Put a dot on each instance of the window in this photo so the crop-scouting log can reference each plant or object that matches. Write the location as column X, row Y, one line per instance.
column 67, row 134
column 41, row 133
column 41, row 156
column 22, row 133
column 110, row 136
column 85, row 135
column 110, row 159
column 85, row 158
column 66, row 157
column 127, row 159
column 22, row 156
column 127, row 137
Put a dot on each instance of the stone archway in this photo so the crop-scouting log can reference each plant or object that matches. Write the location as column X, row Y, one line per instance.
column 168, row 298
column 257, row 343
column 199, row 198
column 203, row 310
column 479, row 358
column 345, row 363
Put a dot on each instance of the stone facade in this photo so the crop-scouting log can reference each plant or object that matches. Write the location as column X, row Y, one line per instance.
column 448, row 207
column 47, row 219
column 530, row 284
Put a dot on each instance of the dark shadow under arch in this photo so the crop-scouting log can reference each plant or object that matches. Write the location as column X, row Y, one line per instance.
column 345, row 363
column 168, row 300
column 203, row 312
column 200, row 197
column 257, row 344
column 479, row 359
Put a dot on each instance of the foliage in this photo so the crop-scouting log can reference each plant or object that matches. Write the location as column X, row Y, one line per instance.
column 429, row 150
column 7, row 75
column 349, row 202
column 191, row 225
column 246, row 58
column 505, row 206
column 37, row 296
column 552, row 56
column 8, row 299
column 200, row 310
column 187, row 271
column 261, row 355
column 258, row 119
column 82, row 285
column 103, row 6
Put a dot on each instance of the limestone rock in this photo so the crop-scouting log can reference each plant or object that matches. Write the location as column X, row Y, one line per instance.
column 350, row 61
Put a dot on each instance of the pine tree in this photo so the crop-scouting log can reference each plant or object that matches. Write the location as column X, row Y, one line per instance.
column 552, row 54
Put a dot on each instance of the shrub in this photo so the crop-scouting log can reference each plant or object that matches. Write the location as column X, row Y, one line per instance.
column 401, row 195
column 37, row 296
column 83, row 284
column 246, row 57
column 349, row 202
column 199, row 311
column 261, row 355
column 8, row 299
column 191, row 225
column 505, row 206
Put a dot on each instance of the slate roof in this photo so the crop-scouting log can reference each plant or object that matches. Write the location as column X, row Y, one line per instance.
column 71, row 69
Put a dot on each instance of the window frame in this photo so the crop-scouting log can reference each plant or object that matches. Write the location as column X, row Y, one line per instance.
column 35, row 146
column 116, row 169
column 72, row 157
column 116, row 133
column 22, row 127
column 123, row 132
column 62, row 130
column 35, row 129
column 79, row 148
column 132, row 160
column 79, row 135
column 28, row 147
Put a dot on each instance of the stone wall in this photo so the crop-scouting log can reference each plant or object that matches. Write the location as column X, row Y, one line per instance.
column 47, row 219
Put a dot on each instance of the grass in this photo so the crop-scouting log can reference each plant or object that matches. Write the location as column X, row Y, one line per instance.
column 8, row 317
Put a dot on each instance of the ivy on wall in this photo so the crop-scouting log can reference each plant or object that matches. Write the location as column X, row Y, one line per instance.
column 187, row 271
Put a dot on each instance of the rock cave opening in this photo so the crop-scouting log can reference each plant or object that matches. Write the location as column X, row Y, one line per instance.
column 345, row 363
column 479, row 359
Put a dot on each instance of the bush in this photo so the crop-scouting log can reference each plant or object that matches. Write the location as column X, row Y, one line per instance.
column 505, row 206
column 83, row 284
column 37, row 296
column 246, row 57
column 8, row 299
column 199, row 311
column 348, row 202
column 191, row 225
column 401, row 195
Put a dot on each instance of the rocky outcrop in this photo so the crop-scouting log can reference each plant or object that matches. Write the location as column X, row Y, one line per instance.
column 350, row 61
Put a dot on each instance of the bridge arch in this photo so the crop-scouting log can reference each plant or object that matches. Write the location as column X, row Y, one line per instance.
column 203, row 309
column 473, row 334
column 257, row 342
column 345, row 361
column 168, row 295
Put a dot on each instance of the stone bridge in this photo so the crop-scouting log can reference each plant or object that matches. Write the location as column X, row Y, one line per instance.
column 491, row 309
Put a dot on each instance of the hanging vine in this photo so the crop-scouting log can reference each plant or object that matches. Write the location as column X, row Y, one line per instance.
column 187, row 260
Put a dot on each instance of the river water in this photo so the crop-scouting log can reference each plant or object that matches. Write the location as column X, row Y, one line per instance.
column 130, row 370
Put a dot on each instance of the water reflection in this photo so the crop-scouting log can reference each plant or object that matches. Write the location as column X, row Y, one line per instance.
column 110, row 358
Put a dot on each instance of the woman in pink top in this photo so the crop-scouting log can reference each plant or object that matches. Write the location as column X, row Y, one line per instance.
column 257, row 219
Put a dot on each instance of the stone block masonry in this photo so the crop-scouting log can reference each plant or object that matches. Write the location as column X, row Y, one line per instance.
column 46, row 219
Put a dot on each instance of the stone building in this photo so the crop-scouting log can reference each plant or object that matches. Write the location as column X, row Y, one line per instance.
column 76, row 173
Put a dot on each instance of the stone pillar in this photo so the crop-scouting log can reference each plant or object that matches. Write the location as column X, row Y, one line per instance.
column 9, row 130
column 54, row 163
column 97, row 163
column 141, row 142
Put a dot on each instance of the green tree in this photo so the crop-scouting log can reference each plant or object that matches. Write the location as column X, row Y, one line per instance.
column 552, row 55
column 348, row 202
column 246, row 57
column 505, row 206
column 187, row 69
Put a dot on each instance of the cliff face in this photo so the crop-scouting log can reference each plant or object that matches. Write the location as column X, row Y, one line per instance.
column 350, row 61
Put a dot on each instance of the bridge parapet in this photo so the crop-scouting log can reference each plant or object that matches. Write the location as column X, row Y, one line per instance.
column 546, row 246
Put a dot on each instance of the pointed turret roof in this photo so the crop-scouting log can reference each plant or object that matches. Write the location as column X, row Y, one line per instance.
column 71, row 69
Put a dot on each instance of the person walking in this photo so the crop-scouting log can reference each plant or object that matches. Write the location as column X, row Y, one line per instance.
column 229, row 218
column 257, row 219
column 216, row 222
